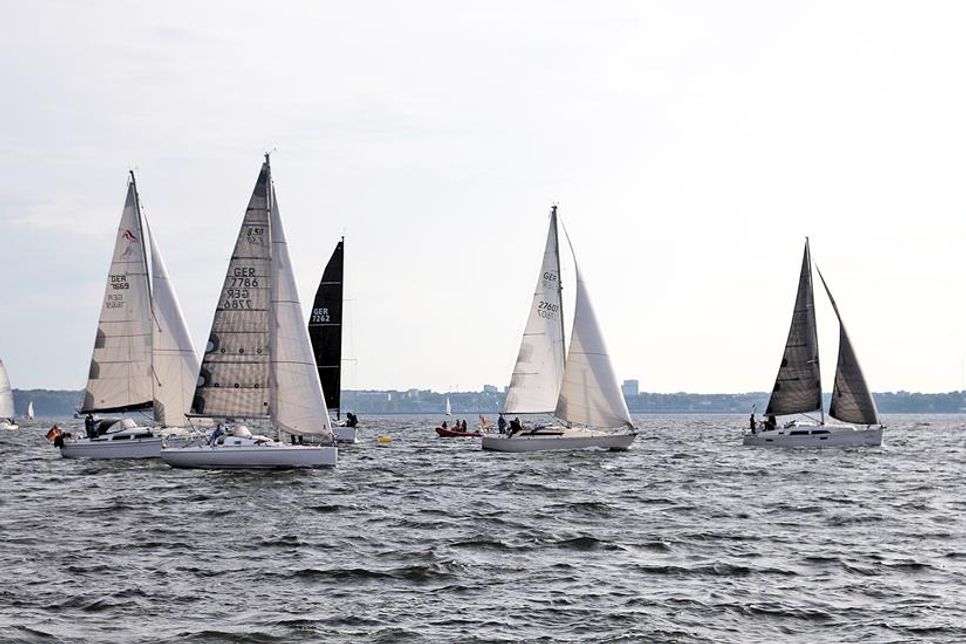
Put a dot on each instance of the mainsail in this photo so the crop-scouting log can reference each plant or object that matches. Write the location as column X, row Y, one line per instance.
column 590, row 394
column 535, row 383
column 798, row 387
column 30, row 411
column 325, row 328
column 174, row 358
column 6, row 394
column 852, row 401
column 297, row 402
column 120, row 376
column 235, row 371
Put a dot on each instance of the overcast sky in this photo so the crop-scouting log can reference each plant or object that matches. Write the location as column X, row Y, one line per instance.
column 691, row 147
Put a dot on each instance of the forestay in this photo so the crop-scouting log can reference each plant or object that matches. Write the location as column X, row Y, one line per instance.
column 234, row 378
column 590, row 394
column 120, row 376
column 852, row 401
column 175, row 361
column 297, row 403
column 535, row 384
column 798, row 387
column 6, row 394
column 325, row 328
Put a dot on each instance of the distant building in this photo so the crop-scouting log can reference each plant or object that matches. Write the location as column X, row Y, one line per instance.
column 631, row 388
column 490, row 389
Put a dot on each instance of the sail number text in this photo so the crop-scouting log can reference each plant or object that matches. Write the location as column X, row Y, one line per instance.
column 549, row 277
column 119, row 282
column 548, row 310
column 320, row 315
column 237, row 295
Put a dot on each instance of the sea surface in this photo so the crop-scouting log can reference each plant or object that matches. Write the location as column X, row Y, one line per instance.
column 689, row 537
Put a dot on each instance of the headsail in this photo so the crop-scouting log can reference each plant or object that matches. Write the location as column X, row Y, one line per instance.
column 325, row 328
column 590, row 394
column 6, row 394
column 234, row 377
column 297, row 402
column 798, row 387
column 852, row 401
column 120, row 376
column 174, row 358
column 535, row 384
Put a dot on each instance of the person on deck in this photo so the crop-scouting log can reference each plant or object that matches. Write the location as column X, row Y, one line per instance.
column 89, row 426
column 463, row 425
column 351, row 420
column 501, row 424
column 443, row 425
column 216, row 434
column 771, row 423
column 515, row 426
column 753, row 423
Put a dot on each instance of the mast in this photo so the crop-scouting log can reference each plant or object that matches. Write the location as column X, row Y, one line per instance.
column 144, row 250
column 272, row 298
column 811, row 291
column 556, row 250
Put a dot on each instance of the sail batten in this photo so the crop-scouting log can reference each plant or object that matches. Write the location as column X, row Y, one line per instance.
column 798, row 385
column 325, row 327
column 852, row 402
column 538, row 372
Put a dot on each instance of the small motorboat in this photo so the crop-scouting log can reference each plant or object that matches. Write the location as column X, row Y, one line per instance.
column 446, row 432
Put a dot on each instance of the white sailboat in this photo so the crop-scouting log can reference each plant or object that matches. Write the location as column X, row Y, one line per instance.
column 449, row 408
column 258, row 363
column 143, row 358
column 30, row 410
column 578, row 387
column 798, row 387
column 7, row 420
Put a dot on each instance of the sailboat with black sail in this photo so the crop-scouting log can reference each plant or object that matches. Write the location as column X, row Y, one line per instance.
column 143, row 359
column 578, row 387
column 258, row 364
column 325, row 331
column 798, row 386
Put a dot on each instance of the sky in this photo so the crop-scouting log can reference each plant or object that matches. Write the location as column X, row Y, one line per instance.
column 691, row 147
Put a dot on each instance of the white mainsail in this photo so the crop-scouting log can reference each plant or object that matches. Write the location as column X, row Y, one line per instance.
column 449, row 409
column 30, row 410
column 174, row 358
column 535, row 383
column 120, row 376
column 6, row 394
column 297, row 401
column 590, row 394
column 235, row 372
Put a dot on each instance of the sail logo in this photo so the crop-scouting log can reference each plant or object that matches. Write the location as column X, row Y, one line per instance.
column 131, row 239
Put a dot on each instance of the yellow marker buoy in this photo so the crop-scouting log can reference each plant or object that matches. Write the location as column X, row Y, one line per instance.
column 384, row 439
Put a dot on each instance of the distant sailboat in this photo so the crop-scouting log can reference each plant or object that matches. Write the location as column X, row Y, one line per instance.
column 449, row 408
column 143, row 358
column 325, row 331
column 578, row 387
column 6, row 401
column 30, row 410
column 798, row 387
column 258, row 363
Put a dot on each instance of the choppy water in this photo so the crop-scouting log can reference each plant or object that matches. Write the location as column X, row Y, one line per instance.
column 689, row 537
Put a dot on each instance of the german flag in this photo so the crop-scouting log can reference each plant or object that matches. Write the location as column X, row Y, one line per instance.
column 53, row 433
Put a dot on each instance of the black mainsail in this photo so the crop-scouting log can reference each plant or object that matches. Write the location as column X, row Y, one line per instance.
column 852, row 401
column 798, row 387
column 325, row 328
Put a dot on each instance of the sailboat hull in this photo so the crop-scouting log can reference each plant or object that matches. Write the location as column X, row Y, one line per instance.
column 815, row 436
column 559, row 438
column 345, row 434
column 6, row 425
column 267, row 455
column 111, row 448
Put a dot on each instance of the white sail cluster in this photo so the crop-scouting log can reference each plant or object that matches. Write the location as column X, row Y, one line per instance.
column 579, row 388
column 142, row 355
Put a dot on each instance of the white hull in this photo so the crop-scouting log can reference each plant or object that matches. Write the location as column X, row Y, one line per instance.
column 815, row 436
column 110, row 448
column 566, row 439
column 265, row 455
column 6, row 425
column 346, row 434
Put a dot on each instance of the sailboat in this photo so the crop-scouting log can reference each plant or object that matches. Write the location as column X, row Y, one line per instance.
column 258, row 363
column 30, row 411
column 798, row 387
column 143, row 358
column 578, row 387
column 6, row 401
column 449, row 408
column 325, row 331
